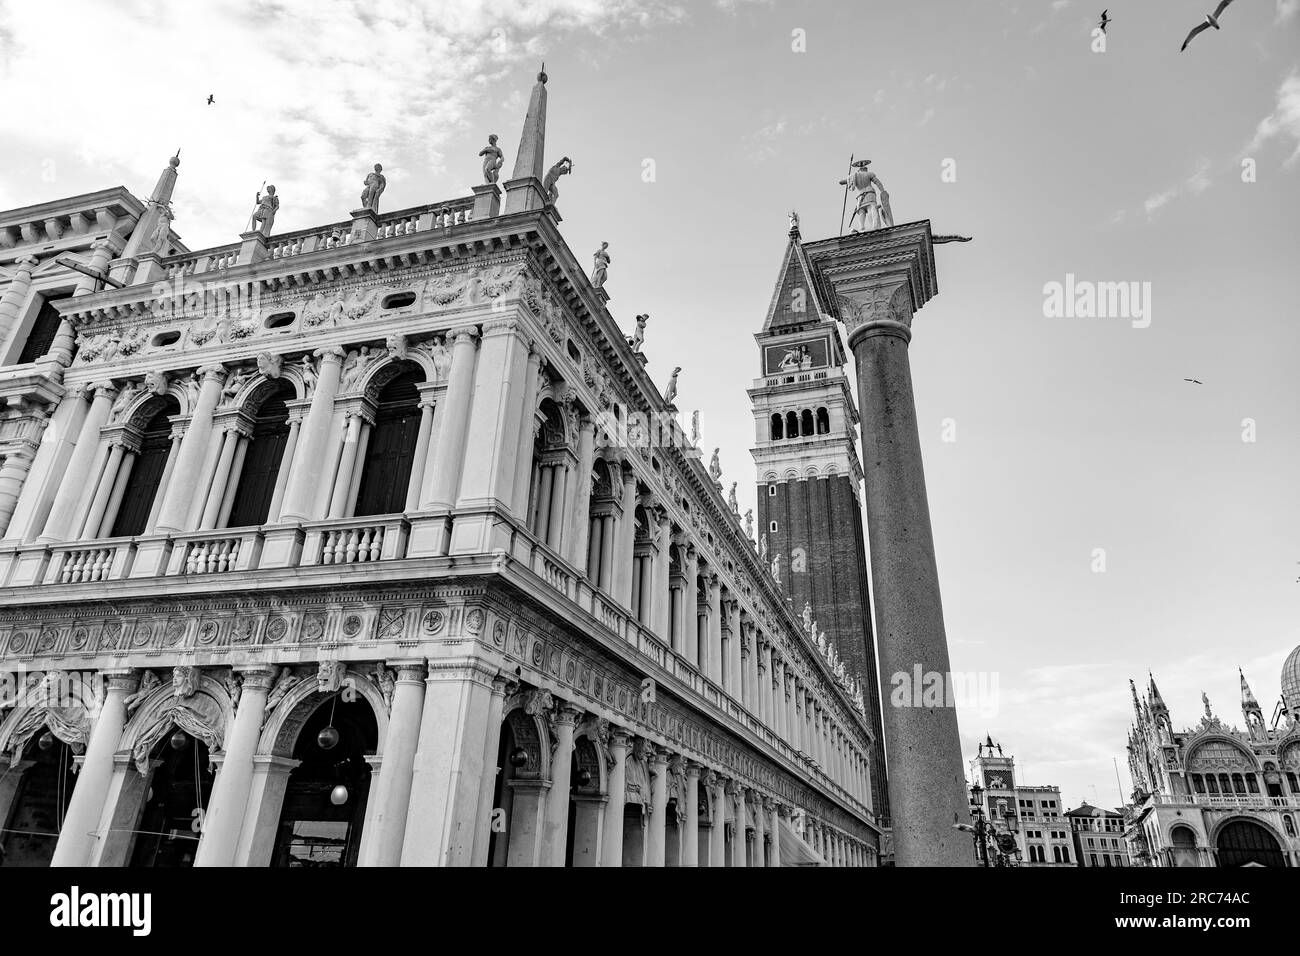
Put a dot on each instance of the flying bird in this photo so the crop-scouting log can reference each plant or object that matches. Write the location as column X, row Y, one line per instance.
column 1211, row 20
column 1193, row 381
column 211, row 99
column 1105, row 20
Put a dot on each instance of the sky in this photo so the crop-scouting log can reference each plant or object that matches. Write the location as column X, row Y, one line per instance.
column 1096, row 516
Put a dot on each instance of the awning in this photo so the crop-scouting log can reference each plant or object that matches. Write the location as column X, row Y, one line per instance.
column 795, row 851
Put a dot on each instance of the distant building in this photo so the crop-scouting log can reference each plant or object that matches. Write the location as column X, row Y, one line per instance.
column 1214, row 795
column 1032, row 814
column 1098, row 836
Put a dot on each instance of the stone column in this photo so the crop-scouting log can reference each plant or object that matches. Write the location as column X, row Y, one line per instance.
column 220, row 478
column 555, row 834
column 77, row 838
column 78, row 474
column 577, row 537
column 488, row 475
column 691, row 837
column 774, row 824
column 731, row 620
column 286, row 464
column 656, row 832
column 229, row 801
column 528, row 426
column 102, row 252
column 501, row 686
column 13, row 299
column 625, row 537
column 718, row 806
column 611, row 844
column 392, row 795
column 415, row 486
column 660, row 603
column 714, row 652
column 13, row 472
column 185, row 482
column 887, row 283
column 313, row 440
column 448, row 457
column 103, row 489
column 691, row 610
column 449, row 765
column 353, row 424
column 740, row 844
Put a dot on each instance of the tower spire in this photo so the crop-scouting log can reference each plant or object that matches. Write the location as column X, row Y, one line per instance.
column 530, row 159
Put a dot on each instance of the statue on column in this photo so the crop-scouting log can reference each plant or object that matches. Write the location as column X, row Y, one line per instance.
column 493, row 159
column 637, row 339
column 374, row 184
column 871, row 210
column 263, row 218
column 562, row 168
column 601, row 270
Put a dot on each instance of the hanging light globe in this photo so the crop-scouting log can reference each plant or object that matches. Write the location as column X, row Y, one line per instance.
column 339, row 795
column 179, row 740
column 46, row 741
column 328, row 739
column 584, row 778
column 518, row 757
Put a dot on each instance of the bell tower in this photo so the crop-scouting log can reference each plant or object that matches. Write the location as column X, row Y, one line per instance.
column 810, row 478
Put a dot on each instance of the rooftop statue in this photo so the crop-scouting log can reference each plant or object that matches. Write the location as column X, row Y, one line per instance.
column 749, row 524
column 670, row 393
column 493, row 159
column 637, row 339
column 562, row 168
column 601, row 270
column 375, row 184
column 871, row 210
column 715, row 465
column 263, row 218
column 731, row 499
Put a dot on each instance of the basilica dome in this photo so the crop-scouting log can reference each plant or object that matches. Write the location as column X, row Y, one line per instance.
column 1291, row 682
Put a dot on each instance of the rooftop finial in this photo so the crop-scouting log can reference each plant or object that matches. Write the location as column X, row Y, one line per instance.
column 541, row 76
column 176, row 160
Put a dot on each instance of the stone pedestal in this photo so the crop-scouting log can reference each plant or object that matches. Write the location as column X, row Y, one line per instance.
column 524, row 194
column 365, row 224
column 881, row 278
column 253, row 247
column 487, row 201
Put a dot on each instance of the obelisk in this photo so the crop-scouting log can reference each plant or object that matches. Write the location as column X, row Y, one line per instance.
column 880, row 278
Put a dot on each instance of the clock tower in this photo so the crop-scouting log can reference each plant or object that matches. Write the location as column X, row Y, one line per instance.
column 810, row 478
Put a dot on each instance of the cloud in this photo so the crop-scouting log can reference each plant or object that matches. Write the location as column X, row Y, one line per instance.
column 1286, row 9
column 309, row 93
column 1284, row 122
column 1193, row 185
column 926, row 117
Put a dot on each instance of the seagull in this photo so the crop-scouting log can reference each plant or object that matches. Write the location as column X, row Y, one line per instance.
column 1105, row 19
column 1193, row 381
column 1211, row 20
column 211, row 99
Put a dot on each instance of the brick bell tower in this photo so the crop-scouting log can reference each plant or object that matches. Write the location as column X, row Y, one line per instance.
column 810, row 479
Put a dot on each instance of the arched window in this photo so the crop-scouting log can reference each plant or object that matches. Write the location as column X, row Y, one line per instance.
column 146, row 476
column 391, row 449
column 778, row 427
column 180, row 785
column 263, row 459
column 823, row 422
column 807, row 422
column 791, row 425
column 325, row 801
